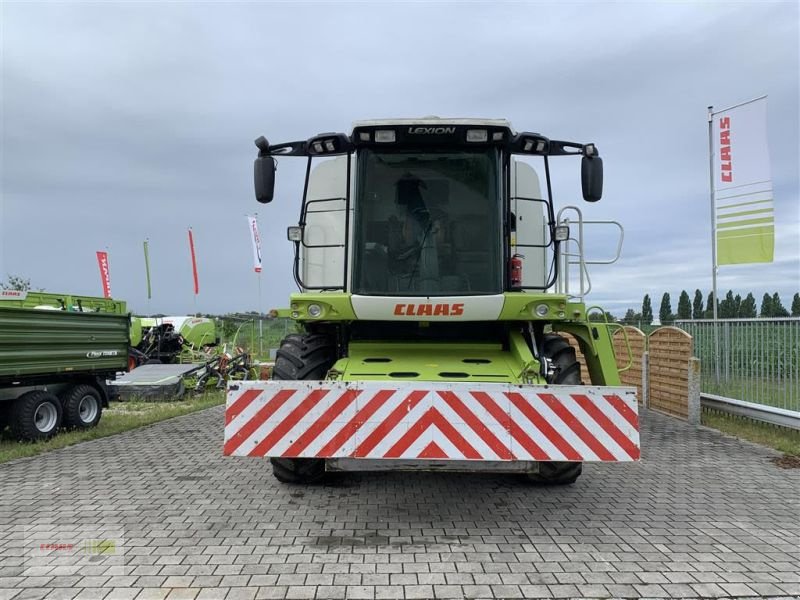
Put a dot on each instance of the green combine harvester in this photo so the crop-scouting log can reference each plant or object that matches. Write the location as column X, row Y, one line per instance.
column 438, row 285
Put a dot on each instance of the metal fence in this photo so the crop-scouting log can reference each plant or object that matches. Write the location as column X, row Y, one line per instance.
column 258, row 336
column 755, row 360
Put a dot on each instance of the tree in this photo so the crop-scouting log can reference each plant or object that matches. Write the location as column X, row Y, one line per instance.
column 665, row 310
column 685, row 306
column 697, row 305
column 777, row 307
column 710, row 306
column 796, row 305
column 748, row 308
column 598, row 317
column 726, row 307
column 766, row 306
column 737, row 306
column 647, row 310
column 16, row 283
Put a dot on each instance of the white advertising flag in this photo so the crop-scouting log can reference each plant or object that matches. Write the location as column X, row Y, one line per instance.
column 256, row 239
column 744, row 219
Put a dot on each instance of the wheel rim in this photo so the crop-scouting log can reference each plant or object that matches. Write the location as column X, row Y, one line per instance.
column 45, row 417
column 87, row 409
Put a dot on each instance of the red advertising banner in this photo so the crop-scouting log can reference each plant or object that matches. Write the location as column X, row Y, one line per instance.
column 105, row 273
column 194, row 263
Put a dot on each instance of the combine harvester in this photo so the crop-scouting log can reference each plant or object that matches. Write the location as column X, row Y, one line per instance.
column 435, row 291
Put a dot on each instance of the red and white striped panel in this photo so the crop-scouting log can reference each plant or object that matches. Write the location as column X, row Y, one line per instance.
column 419, row 420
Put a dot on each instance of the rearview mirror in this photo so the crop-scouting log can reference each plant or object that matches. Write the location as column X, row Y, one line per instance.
column 264, row 172
column 592, row 178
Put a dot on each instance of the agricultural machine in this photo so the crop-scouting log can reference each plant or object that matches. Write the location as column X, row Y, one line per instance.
column 163, row 339
column 438, row 290
column 55, row 362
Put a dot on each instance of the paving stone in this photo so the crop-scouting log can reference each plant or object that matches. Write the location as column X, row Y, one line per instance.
column 702, row 515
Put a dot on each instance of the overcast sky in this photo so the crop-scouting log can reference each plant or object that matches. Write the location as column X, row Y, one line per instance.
column 126, row 121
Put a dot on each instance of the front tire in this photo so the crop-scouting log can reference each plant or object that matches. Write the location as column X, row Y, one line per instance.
column 36, row 415
column 566, row 370
column 302, row 357
column 83, row 407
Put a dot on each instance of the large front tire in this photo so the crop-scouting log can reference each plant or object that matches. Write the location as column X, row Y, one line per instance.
column 566, row 370
column 302, row 357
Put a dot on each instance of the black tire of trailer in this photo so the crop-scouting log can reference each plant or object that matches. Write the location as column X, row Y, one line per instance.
column 302, row 357
column 567, row 371
column 35, row 415
column 83, row 407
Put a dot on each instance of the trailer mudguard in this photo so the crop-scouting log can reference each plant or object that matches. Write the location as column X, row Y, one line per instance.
column 426, row 420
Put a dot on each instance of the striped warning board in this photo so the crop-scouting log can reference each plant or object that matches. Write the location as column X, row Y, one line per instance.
column 425, row 420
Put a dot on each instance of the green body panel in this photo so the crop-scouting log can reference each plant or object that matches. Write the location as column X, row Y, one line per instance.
column 514, row 364
column 136, row 331
column 336, row 306
column 598, row 350
column 68, row 302
column 517, row 306
column 438, row 361
column 199, row 332
column 42, row 342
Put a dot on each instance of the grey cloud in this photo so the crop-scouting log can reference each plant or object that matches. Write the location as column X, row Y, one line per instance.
column 125, row 121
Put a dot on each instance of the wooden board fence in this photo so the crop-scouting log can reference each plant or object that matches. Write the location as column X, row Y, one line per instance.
column 670, row 349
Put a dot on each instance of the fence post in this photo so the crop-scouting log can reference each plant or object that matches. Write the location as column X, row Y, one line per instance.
column 645, row 379
column 694, row 391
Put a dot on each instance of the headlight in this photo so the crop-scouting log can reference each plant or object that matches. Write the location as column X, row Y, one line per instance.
column 542, row 310
column 314, row 310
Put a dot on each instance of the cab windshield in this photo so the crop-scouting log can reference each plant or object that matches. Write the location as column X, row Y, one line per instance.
column 427, row 224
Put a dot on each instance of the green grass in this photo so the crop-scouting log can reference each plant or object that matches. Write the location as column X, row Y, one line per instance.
column 780, row 438
column 772, row 392
column 119, row 417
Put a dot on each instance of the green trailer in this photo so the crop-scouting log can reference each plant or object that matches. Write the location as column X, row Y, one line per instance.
column 54, row 365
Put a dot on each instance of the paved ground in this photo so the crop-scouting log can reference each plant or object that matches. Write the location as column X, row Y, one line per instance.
column 702, row 516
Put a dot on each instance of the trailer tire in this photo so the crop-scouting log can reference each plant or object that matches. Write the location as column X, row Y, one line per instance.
column 83, row 407
column 567, row 371
column 302, row 357
column 35, row 415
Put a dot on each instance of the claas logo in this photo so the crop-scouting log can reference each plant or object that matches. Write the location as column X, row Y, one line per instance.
column 429, row 310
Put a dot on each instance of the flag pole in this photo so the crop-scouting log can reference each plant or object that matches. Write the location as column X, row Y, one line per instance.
column 713, row 241
column 146, row 246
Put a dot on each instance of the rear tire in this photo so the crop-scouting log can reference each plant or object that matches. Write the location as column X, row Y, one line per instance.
column 566, row 371
column 83, row 407
column 298, row 470
column 302, row 357
column 35, row 416
column 556, row 473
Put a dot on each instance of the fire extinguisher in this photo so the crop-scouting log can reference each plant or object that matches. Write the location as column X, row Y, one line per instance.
column 516, row 270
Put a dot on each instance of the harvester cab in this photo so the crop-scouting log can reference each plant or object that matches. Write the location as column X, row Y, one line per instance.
column 437, row 284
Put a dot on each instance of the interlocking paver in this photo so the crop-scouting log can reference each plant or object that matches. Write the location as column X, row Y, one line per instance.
column 702, row 515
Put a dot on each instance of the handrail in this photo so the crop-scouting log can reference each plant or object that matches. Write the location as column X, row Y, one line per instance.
column 578, row 256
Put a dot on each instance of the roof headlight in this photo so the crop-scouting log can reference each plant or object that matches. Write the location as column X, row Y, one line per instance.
column 477, row 135
column 383, row 136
